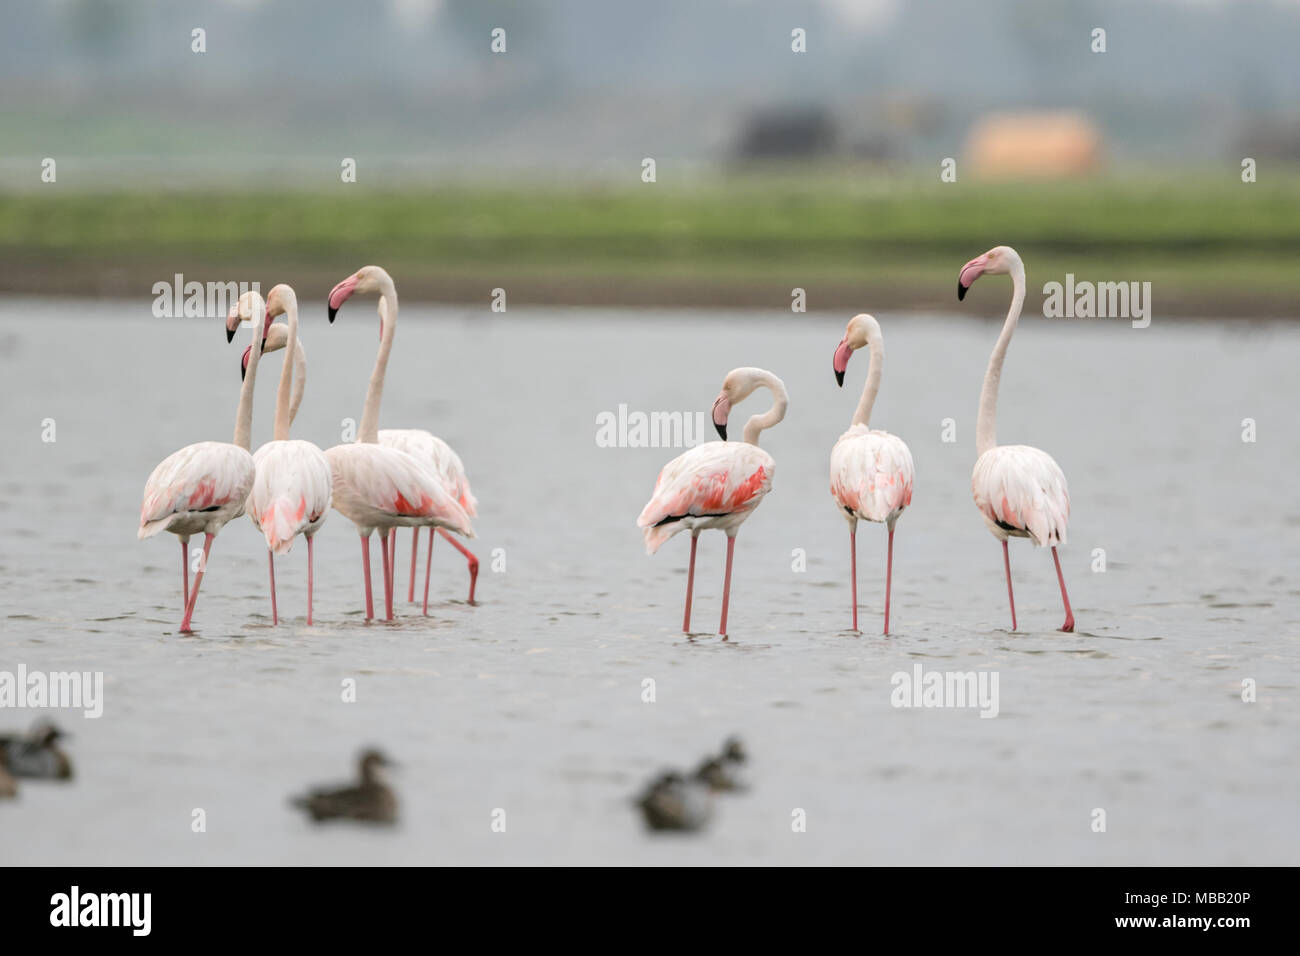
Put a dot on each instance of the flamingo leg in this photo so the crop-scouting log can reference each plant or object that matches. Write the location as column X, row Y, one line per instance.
column 365, row 563
column 388, row 573
column 726, row 589
column 185, row 570
column 469, row 557
column 1006, row 560
column 428, row 565
column 198, row 579
column 889, row 577
column 270, row 562
column 853, row 572
column 309, row 578
column 690, row 584
column 1068, row 626
column 415, row 557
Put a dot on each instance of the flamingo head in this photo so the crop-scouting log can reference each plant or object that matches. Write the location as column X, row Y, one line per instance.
column 250, row 304
column 857, row 334
column 277, row 337
column 278, row 301
column 736, row 387
column 999, row 260
column 368, row 279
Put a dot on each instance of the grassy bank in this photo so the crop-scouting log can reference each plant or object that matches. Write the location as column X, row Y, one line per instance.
column 1209, row 246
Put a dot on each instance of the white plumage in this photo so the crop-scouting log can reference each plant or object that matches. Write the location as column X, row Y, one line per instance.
column 1021, row 492
column 196, row 490
column 291, row 493
column 871, row 475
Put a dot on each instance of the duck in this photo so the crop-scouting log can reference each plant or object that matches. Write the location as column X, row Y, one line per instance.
column 371, row 801
column 37, row 754
column 671, row 802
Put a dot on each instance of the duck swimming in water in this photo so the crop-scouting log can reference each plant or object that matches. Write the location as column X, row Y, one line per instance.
column 371, row 800
column 722, row 773
column 672, row 802
column 37, row 754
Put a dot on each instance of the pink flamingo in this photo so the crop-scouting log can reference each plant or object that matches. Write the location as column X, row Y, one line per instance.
column 201, row 487
column 378, row 487
column 716, row 484
column 1020, row 491
column 292, row 490
column 871, row 471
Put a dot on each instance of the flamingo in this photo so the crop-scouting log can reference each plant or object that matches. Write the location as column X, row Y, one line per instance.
column 292, row 489
column 203, row 486
column 377, row 487
column 716, row 484
column 871, row 470
column 1020, row 491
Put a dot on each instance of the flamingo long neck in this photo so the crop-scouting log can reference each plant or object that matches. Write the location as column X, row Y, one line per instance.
column 758, row 423
column 299, row 380
column 986, row 426
column 877, row 345
column 244, row 416
column 369, row 431
column 283, row 414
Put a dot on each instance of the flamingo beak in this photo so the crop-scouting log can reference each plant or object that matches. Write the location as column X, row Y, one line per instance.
column 969, row 273
column 721, row 409
column 340, row 294
column 232, row 323
column 841, row 360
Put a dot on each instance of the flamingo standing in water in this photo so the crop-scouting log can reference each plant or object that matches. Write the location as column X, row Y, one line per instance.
column 203, row 486
column 871, row 471
column 292, row 490
column 717, row 484
column 1020, row 491
column 446, row 464
column 377, row 487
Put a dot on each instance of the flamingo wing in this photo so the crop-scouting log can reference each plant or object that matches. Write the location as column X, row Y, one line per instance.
column 291, row 492
column 389, row 484
column 1022, row 490
column 439, row 456
column 716, row 478
column 871, row 474
column 205, row 477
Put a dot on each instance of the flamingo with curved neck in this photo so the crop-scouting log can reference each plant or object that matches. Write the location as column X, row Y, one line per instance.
column 377, row 487
column 292, row 490
column 1020, row 490
column 717, row 484
column 201, row 487
column 871, row 470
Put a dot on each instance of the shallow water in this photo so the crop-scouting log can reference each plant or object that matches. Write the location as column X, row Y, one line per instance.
column 532, row 701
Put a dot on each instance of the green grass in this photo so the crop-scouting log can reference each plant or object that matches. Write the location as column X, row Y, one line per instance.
column 1199, row 238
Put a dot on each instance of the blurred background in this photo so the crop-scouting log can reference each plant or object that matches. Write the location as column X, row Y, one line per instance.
column 773, row 169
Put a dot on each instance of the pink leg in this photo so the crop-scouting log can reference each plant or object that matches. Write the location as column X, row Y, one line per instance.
column 690, row 584
column 185, row 569
column 428, row 565
column 270, row 561
column 415, row 557
column 309, row 581
column 1068, row 626
column 388, row 573
column 469, row 557
column 726, row 589
column 889, row 577
column 1006, row 560
column 365, row 563
column 198, row 579
column 853, row 572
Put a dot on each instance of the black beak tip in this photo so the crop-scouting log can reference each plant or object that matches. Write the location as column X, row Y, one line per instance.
column 230, row 336
column 333, row 312
column 839, row 379
column 243, row 371
column 722, row 430
column 961, row 291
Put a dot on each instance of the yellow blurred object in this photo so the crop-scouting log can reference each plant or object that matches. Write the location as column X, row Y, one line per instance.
column 1038, row 144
